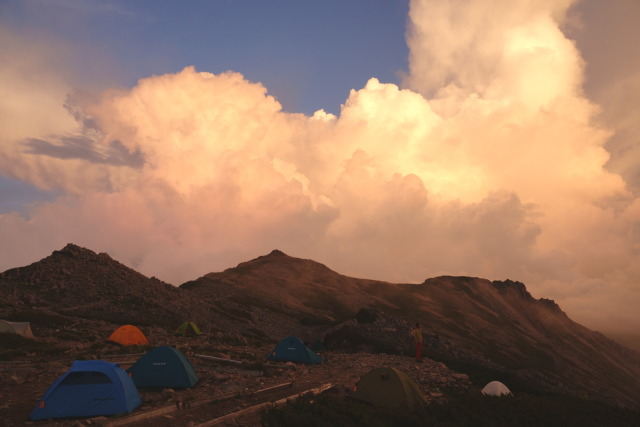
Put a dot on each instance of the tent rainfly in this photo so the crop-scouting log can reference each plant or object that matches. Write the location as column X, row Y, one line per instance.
column 291, row 349
column 388, row 387
column 496, row 388
column 89, row 388
column 20, row 328
column 188, row 328
column 128, row 335
column 165, row 367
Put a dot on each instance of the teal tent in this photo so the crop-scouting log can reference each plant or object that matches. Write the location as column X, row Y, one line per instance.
column 291, row 349
column 165, row 367
column 89, row 388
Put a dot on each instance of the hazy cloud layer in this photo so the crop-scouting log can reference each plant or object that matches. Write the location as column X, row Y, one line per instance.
column 491, row 163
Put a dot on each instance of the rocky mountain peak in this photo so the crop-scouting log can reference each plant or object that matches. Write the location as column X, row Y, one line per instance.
column 512, row 286
column 552, row 305
column 73, row 257
column 75, row 251
column 277, row 253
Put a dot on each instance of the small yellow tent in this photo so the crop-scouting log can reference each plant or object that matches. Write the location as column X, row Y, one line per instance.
column 128, row 335
column 188, row 328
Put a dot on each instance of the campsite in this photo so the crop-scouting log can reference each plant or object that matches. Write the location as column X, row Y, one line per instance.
column 221, row 370
column 234, row 377
column 231, row 349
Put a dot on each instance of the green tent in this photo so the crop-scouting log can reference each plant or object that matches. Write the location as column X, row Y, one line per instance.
column 188, row 328
column 388, row 387
column 165, row 367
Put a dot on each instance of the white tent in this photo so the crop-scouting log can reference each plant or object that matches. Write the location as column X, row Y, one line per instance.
column 496, row 388
column 20, row 328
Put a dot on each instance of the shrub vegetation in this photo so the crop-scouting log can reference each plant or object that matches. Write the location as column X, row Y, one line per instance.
column 470, row 409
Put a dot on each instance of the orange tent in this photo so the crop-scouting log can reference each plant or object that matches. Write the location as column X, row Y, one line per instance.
column 128, row 335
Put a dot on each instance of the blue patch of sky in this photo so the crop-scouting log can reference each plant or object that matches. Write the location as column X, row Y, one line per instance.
column 309, row 54
column 18, row 196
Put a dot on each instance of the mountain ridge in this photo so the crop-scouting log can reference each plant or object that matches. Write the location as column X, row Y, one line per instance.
column 496, row 323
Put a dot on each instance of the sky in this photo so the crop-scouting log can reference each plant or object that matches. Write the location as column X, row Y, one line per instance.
column 391, row 140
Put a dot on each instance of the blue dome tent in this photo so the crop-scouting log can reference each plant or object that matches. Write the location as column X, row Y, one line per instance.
column 89, row 388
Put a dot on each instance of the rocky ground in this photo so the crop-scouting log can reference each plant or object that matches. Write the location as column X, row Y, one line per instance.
column 224, row 387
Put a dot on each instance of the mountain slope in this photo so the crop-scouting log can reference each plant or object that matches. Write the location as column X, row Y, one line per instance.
column 498, row 320
column 510, row 327
column 296, row 283
column 78, row 282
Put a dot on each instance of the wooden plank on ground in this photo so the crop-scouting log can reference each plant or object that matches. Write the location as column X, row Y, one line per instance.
column 129, row 419
column 256, row 408
column 218, row 359
column 274, row 387
column 133, row 418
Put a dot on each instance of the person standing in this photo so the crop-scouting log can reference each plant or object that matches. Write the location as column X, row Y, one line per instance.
column 416, row 333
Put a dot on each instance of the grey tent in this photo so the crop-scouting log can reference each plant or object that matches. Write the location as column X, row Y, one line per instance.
column 20, row 328
column 496, row 388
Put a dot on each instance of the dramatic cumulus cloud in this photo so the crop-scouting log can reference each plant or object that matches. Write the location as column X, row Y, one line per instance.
column 605, row 33
column 488, row 162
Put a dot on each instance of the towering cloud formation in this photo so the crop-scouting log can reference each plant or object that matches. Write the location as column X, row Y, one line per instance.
column 488, row 164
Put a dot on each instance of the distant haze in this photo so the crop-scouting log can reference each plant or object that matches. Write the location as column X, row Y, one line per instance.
column 486, row 159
